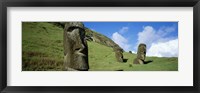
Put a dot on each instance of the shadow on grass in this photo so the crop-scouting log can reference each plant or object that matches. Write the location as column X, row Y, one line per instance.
column 125, row 60
column 119, row 70
column 147, row 62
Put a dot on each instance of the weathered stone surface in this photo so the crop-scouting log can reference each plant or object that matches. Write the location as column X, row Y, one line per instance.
column 141, row 54
column 118, row 53
column 138, row 61
column 75, row 47
column 99, row 38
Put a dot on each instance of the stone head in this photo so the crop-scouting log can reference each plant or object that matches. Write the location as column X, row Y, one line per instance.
column 141, row 53
column 75, row 46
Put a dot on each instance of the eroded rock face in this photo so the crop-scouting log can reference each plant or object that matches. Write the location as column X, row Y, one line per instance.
column 75, row 47
column 99, row 38
column 141, row 54
column 118, row 54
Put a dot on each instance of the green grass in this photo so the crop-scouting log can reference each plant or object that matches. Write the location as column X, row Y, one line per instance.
column 42, row 50
column 42, row 46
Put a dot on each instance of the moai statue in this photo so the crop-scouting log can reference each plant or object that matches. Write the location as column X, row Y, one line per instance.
column 75, row 47
column 118, row 54
column 141, row 54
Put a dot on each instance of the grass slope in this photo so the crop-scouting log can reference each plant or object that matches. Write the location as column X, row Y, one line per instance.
column 42, row 50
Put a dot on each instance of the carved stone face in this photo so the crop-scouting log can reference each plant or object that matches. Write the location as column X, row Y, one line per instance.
column 141, row 54
column 118, row 53
column 119, row 56
column 75, row 47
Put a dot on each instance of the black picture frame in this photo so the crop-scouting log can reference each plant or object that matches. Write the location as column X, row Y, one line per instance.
column 100, row 3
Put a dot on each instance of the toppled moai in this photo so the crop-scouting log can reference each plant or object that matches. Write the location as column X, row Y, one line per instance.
column 141, row 54
column 75, row 47
column 118, row 54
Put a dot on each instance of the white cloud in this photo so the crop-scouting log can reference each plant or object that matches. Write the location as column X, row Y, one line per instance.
column 121, row 41
column 157, row 38
column 158, row 42
column 134, row 52
column 164, row 49
column 123, row 30
column 147, row 36
column 166, row 30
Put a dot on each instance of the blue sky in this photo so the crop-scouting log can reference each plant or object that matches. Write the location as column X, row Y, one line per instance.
column 162, row 35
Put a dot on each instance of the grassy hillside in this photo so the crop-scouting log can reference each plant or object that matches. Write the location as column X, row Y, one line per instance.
column 42, row 49
column 101, row 39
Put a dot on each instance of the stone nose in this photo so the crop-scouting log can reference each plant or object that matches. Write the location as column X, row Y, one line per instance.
column 79, row 44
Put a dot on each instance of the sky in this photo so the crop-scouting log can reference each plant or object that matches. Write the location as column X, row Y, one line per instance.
column 161, row 38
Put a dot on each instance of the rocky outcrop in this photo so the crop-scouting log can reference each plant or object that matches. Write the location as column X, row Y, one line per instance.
column 101, row 39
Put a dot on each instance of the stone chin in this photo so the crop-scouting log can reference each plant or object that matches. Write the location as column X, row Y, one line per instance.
column 80, row 54
column 81, row 61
